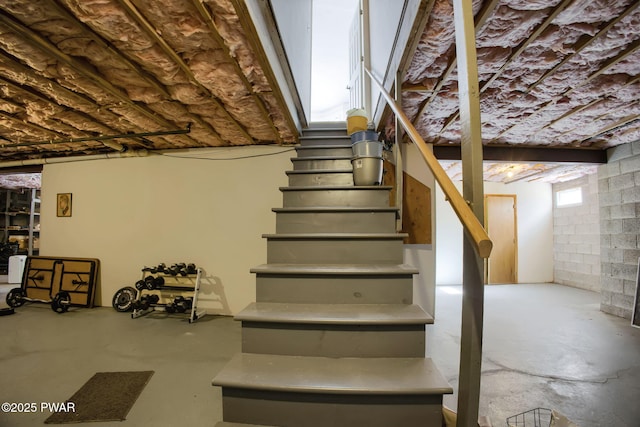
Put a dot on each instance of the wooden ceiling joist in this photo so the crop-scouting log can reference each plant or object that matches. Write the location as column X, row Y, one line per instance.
column 631, row 49
column 581, row 44
column 481, row 18
column 168, row 50
column 208, row 19
column 81, row 68
column 261, row 57
column 514, row 54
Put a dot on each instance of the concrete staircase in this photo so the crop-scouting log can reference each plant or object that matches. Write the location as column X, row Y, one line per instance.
column 333, row 338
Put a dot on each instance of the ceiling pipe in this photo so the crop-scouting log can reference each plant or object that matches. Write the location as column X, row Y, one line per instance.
column 54, row 160
column 102, row 138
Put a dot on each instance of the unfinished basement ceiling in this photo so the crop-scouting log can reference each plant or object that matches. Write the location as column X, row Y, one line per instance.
column 76, row 69
column 552, row 73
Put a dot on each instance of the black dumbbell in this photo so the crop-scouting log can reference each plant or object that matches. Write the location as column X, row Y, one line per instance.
column 161, row 267
column 153, row 299
column 140, row 285
column 170, row 308
column 192, row 269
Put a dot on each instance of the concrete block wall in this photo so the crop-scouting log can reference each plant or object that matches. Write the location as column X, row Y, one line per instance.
column 619, row 188
column 576, row 236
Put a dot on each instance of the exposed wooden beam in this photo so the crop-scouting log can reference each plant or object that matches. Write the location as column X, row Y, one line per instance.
column 526, row 154
column 482, row 17
column 34, row 84
column 81, row 68
column 613, row 127
column 631, row 49
column 424, row 11
column 153, row 34
column 208, row 19
column 515, row 54
column 251, row 34
column 582, row 43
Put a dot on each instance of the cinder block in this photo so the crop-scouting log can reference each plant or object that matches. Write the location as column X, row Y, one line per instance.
column 622, row 301
column 631, row 225
column 608, row 170
column 603, row 185
column 605, row 212
column 627, row 210
column 612, row 284
column 605, row 239
column 605, row 297
column 630, row 195
column 630, row 256
column 611, row 198
column 619, row 152
column 612, row 227
column 631, row 164
column 635, row 147
column 623, row 271
column 624, row 241
column 625, row 180
column 630, row 288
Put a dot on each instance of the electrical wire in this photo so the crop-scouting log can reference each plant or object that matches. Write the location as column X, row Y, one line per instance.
column 227, row 158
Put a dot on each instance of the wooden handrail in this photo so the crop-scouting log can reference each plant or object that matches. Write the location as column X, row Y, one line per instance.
column 469, row 221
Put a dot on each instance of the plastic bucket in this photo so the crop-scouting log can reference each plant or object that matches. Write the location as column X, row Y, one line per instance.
column 367, row 149
column 367, row 170
column 356, row 120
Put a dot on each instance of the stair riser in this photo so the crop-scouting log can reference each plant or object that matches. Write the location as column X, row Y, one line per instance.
column 314, row 164
column 322, row 410
column 305, row 289
column 307, row 179
column 328, row 151
column 334, row 340
column 335, row 222
column 336, row 198
column 342, row 251
column 342, row 140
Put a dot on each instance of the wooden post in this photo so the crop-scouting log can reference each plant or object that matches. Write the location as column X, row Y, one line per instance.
column 473, row 193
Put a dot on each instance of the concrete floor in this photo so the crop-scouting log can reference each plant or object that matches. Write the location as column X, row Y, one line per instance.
column 544, row 346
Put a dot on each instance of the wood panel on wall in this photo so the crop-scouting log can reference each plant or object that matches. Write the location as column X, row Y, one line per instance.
column 416, row 206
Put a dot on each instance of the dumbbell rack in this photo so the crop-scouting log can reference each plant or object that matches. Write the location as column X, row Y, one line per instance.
column 178, row 283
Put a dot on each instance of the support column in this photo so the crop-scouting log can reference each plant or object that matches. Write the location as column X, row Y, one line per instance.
column 473, row 193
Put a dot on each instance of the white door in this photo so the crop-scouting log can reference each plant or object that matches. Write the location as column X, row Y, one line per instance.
column 356, row 100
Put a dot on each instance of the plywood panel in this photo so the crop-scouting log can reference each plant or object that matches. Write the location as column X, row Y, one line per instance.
column 416, row 206
column 500, row 221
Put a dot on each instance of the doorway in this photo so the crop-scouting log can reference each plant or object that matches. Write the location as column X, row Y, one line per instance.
column 501, row 225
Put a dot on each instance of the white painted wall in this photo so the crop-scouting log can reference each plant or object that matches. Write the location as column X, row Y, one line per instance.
column 535, row 233
column 139, row 212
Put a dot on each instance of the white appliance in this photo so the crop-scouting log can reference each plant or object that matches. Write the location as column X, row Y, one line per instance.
column 16, row 267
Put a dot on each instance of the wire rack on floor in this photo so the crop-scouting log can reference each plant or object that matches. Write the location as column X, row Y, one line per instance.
column 538, row 417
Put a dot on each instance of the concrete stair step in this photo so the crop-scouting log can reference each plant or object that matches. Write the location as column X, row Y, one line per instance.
column 335, row 248
column 334, row 330
column 345, row 392
column 335, row 284
column 321, row 162
column 344, row 196
column 336, row 220
column 300, row 178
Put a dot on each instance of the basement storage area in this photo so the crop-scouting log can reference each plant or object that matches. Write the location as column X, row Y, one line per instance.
column 170, row 144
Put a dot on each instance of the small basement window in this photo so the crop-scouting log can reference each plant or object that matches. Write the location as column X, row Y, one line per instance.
column 569, row 197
